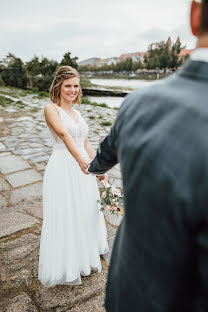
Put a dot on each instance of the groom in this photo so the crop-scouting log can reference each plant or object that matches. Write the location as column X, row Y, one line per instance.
column 160, row 138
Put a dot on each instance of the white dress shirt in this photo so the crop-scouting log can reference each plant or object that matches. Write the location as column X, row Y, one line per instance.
column 200, row 54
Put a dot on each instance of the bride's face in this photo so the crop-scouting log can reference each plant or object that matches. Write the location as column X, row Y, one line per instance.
column 69, row 89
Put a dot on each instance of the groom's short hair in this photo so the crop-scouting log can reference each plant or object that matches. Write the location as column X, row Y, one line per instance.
column 204, row 17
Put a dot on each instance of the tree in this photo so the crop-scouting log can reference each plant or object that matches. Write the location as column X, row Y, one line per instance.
column 14, row 72
column 68, row 61
column 33, row 66
column 161, row 55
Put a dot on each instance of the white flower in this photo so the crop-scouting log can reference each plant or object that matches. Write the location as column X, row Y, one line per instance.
column 104, row 194
column 116, row 191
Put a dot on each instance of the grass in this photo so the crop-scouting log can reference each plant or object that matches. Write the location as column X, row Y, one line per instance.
column 19, row 104
column 34, row 109
column 106, row 123
column 87, row 101
column 41, row 94
column 91, row 117
column 17, row 92
column 5, row 101
column 85, row 83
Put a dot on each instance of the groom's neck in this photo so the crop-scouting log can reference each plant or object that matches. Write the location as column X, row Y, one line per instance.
column 202, row 41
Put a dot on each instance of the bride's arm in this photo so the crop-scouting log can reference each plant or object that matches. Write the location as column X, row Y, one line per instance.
column 53, row 120
column 92, row 153
column 89, row 149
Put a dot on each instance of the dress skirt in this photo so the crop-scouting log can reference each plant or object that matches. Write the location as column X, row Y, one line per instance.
column 73, row 233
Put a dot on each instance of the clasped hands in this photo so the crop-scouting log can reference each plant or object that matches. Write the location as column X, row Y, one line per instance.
column 84, row 164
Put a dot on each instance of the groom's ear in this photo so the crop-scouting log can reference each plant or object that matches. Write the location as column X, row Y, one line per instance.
column 195, row 17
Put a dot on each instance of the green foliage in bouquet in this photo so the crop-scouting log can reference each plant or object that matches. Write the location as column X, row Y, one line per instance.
column 112, row 199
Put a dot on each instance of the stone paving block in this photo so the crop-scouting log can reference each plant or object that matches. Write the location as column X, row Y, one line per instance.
column 34, row 209
column 40, row 166
column 21, row 303
column 115, row 173
column 2, row 202
column 35, row 145
column 5, row 154
column 112, row 219
column 111, row 229
column 12, row 163
column 2, row 146
column 19, row 253
column 3, row 185
column 40, row 159
column 107, row 257
column 23, row 177
column 116, row 182
column 34, row 155
column 23, row 240
column 93, row 305
column 22, row 278
column 12, row 222
column 29, row 193
column 67, row 296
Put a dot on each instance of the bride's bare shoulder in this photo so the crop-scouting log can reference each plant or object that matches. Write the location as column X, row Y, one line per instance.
column 51, row 111
column 50, row 107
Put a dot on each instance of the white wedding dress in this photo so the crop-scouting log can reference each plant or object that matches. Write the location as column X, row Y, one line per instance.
column 73, row 232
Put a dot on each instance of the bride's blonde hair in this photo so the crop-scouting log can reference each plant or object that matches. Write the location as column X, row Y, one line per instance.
column 63, row 73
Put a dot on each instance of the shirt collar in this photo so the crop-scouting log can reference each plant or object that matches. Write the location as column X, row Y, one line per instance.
column 200, row 54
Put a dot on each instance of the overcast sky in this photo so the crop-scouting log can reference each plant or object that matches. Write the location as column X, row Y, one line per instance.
column 90, row 28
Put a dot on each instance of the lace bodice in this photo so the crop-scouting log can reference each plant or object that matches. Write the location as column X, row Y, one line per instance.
column 77, row 129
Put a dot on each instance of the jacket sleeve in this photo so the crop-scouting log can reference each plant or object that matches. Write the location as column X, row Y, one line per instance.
column 106, row 156
column 107, row 153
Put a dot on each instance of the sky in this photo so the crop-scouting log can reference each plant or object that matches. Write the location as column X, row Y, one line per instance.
column 90, row 28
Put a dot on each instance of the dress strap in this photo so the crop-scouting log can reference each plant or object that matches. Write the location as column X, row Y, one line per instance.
column 59, row 110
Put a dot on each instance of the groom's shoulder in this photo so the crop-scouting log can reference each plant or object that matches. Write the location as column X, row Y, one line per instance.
column 158, row 90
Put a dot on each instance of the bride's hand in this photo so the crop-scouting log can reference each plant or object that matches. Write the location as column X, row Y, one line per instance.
column 83, row 163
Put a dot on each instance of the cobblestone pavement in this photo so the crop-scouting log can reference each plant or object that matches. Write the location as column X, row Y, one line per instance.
column 24, row 151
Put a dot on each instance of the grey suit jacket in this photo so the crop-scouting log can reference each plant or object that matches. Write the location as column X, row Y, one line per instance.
column 160, row 138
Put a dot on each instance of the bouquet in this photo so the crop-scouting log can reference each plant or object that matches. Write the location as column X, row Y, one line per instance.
column 112, row 199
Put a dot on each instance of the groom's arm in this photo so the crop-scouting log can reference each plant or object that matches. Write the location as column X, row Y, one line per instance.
column 107, row 153
column 106, row 156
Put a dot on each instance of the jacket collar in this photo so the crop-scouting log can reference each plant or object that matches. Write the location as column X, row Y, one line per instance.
column 195, row 70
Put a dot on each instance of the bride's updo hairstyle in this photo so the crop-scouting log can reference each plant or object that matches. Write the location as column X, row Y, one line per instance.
column 63, row 73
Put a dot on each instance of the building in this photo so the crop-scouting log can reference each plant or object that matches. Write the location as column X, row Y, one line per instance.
column 136, row 56
column 93, row 61
column 184, row 52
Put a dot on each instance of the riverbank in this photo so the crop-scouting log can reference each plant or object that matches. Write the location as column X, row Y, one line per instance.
column 147, row 77
column 14, row 96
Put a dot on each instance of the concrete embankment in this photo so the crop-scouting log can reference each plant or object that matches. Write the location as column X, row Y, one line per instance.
column 103, row 92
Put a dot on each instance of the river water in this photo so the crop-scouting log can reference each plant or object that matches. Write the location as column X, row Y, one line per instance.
column 112, row 101
column 123, row 83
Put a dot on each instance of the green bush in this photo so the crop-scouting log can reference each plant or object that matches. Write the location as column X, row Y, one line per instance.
column 2, row 84
column 43, row 94
column 35, row 89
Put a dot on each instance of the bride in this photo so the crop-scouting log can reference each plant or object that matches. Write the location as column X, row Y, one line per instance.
column 73, row 232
